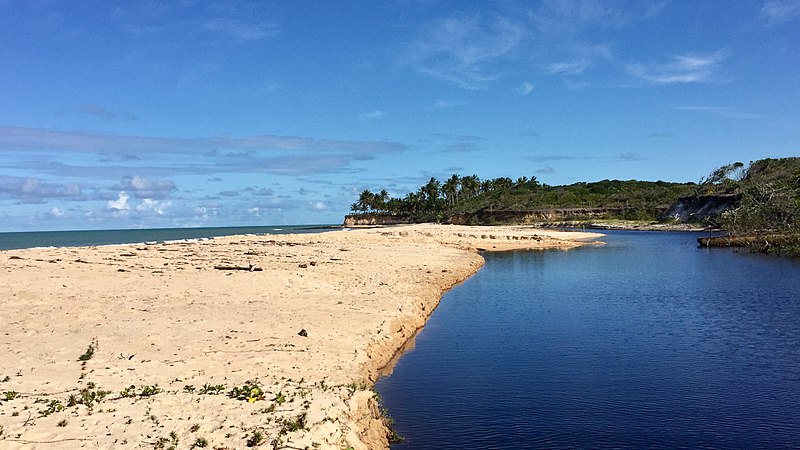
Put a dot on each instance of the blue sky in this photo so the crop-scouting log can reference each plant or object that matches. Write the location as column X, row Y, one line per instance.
column 189, row 113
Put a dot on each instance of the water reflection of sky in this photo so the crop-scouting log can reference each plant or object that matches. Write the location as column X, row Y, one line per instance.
column 647, row 340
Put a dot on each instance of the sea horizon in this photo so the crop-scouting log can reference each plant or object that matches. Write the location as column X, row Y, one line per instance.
column 15, row 240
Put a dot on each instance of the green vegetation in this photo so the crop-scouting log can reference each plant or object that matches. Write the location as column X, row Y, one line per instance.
column 211, row 389
column 255, row 439
column 53, row 406
column 769, row 206
column 89, row 353
column 760, row 199
column 279, row 398
column 250, row 391
column 484, row 201
column 393, row 436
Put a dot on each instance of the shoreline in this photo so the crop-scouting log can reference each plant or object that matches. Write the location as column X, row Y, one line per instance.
column 159, row 317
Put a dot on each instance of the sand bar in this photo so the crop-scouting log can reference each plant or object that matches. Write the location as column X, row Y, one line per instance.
column 173, row 336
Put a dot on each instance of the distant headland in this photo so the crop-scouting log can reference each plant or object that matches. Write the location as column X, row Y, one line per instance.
column 761, row 198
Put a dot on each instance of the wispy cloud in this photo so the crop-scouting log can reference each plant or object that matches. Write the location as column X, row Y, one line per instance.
column 776, row 12
column 142, row 187
column 375, row 114
column 447, row 104
column 240, row 31
column 569, row 67
column 687, row 68
column 35, row 190
column 461, row 147
column 103, row 113
column 629, row 157
column 525, row 88
column 575, row 35
column 721, row 111
column 459, row 143
column 569, row 16
column 44, row 140
column 465, row 50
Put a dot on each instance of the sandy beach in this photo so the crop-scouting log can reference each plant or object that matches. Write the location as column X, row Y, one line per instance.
column 234, row 342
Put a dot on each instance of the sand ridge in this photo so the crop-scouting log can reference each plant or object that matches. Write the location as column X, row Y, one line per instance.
column 173, row 337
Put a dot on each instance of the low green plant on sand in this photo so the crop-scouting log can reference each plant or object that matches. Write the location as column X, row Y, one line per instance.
column 211, row 389
column 250, row 391
column 89, row 353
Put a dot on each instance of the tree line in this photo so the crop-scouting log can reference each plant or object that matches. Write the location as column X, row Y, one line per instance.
column 434, row 198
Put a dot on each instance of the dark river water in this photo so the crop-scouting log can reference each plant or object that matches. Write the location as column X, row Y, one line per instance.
column 646, row 342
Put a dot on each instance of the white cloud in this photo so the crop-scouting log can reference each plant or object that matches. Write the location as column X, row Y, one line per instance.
column 56, row 212
column 179, row 156
column 525, row 88
column 142, row 187
column 37, row 139
column 373, row 115
column 153, row 207
column 318, row 206
column 569, row 67
column 465, row 50
column 569, row 16
column 34, row 190
column 687, row 68
column 120, row 204
column 446, row 104
column 776, row 12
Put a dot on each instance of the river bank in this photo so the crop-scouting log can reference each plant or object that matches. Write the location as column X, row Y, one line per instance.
column 226, row 342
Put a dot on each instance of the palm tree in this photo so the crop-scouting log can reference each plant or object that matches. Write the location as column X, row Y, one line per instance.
column 381, row 199
column 470, row 185
column 366, row 201
column 450, row 189
column 430, row 193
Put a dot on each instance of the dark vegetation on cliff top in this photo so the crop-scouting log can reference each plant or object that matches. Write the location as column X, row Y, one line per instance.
column 762, row 198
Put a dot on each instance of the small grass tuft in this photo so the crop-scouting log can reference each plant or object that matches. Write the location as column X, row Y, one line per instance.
column 211, row 389
column 279, row 398
column 86, row 356
column 255, row 439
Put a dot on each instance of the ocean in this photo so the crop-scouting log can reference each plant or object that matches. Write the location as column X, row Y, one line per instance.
column 31, row 239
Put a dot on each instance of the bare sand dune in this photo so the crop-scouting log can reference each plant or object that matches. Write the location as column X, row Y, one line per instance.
column 166, row 337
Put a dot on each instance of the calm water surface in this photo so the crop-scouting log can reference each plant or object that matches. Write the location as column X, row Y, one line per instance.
column 647, row 342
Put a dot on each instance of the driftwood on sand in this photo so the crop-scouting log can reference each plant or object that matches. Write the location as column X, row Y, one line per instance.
column 249, row 268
